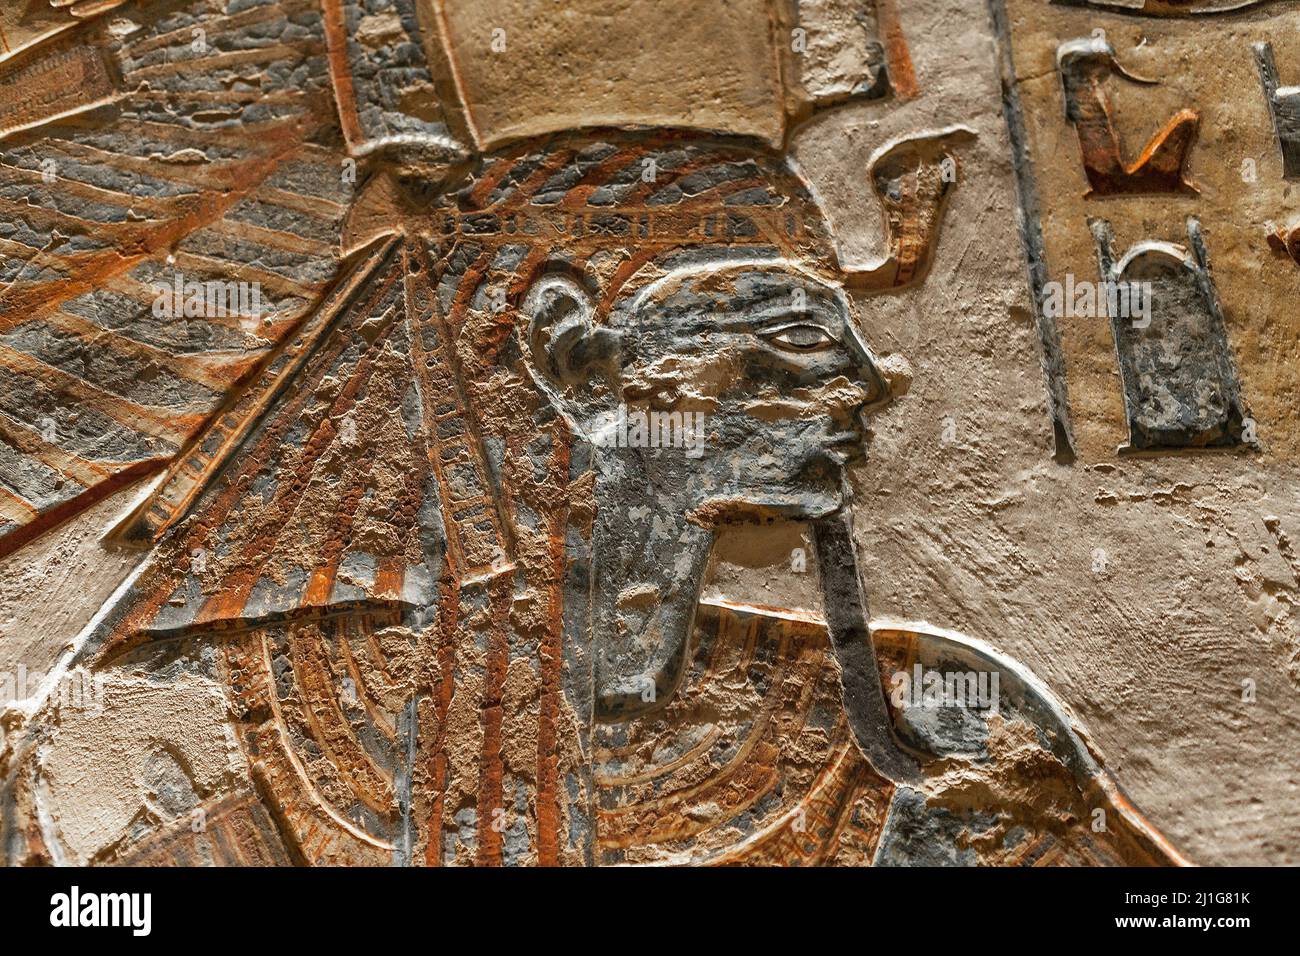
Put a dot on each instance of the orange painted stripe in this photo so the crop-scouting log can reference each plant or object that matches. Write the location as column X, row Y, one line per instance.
column 902, row 75
column 336, row 46
column 491, row 797
column 286, row 502
column 551, row 652
column 388, row 579
column 448, row 620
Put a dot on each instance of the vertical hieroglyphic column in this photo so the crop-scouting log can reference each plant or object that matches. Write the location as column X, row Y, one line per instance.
column 1147, row 119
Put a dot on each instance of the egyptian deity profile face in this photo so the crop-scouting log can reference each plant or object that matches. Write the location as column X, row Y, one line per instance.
column 759, row 362
column 791, row 391
column 707, row 304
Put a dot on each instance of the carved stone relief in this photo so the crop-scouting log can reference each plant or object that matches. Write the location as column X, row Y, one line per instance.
column 482, row 392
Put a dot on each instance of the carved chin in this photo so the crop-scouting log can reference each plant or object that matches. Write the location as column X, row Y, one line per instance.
column 806, row 483
column 808, row 505
column 759, row 507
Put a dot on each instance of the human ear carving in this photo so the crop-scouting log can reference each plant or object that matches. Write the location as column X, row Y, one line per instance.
column 566, row 344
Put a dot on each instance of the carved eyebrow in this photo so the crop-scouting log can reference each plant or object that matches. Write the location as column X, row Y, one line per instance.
column 813, row 312
column 757, row 310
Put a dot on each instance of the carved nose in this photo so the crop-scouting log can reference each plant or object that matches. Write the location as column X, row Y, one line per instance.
column 894, row 374
column 882, row 380
column 874, row 385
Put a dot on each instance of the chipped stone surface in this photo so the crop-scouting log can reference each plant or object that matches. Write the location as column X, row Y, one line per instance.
column 523, row 516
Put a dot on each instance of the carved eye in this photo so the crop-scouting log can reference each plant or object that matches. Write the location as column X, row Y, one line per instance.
column 801, row 338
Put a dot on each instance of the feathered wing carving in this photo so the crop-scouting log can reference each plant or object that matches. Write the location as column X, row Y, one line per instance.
column 171, row 142
column 329, row 574
column 316, row 566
